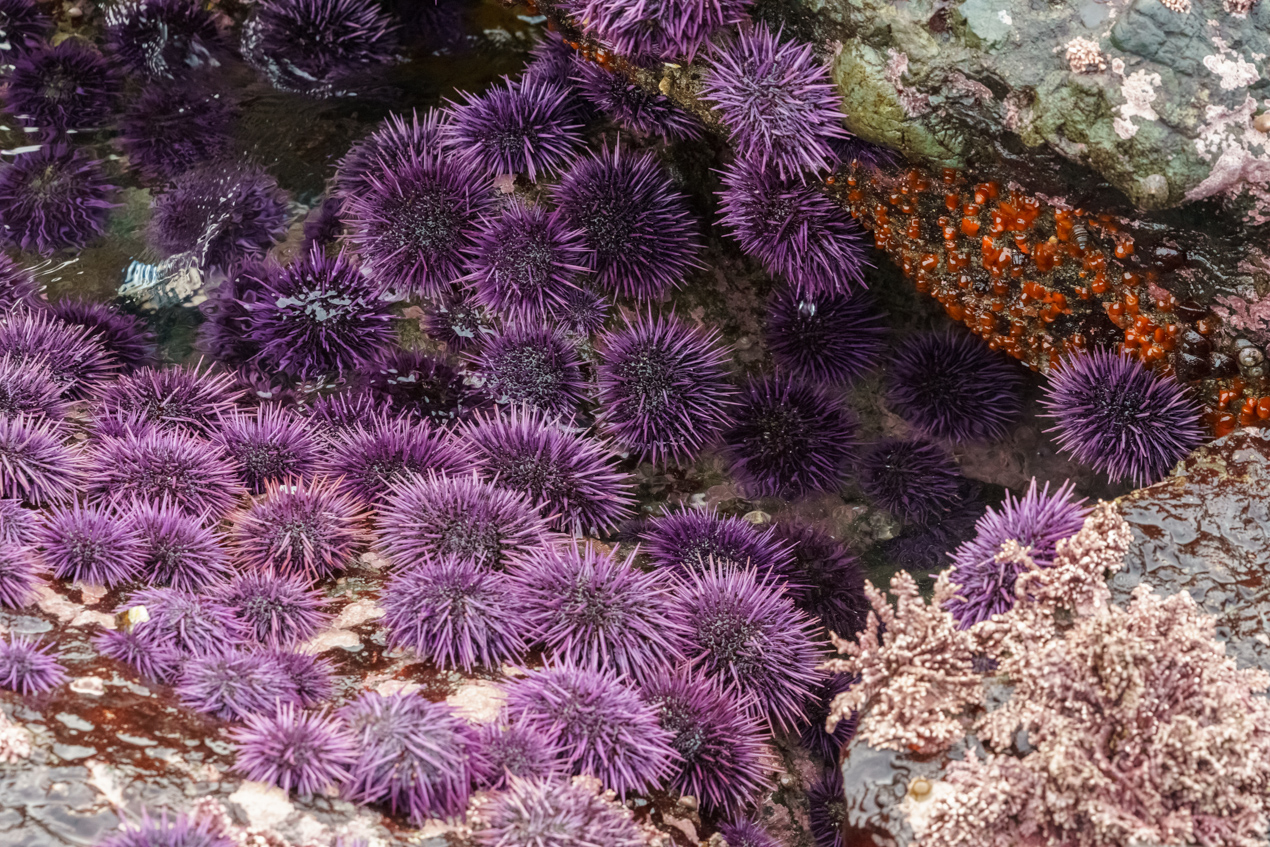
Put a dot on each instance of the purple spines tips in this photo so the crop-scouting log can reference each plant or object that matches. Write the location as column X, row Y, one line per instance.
column 323, row 225
column 1120, row 418
column 550, row 813
column 278, row 611
column 419, row 758
column 1038, row 520
column 370, row 458
column 126, row 337
column 319, row 315
column 27, row 388
column 780, row 107
column 796, row 231
column 911, row 478
column 67, row 87
column 270, row 443
column 177, row 831
column 28, row 666
column 457, row 322
column 231, row 685
column 663, row 388
column 312, row 677
column 411, row 223
column 532, row 364
column 188, row 623
column 825, row 580
column 827, row 809
column 173, row 127
column 583, row 313
column 19, row 289
column 226, row 334
column 185, row 397
column 19, row 526
column 296, row 751
column 602, row 726
column 746, row 633
column 514, row 751
column 219, row 214
column 550, row 59
column 23, row 27
column 78, row 362
column 853, row 150
column 596, row 611
column 521, row 127
column 152, row 660
column 455, row 613
column 644, row 237
column 573, row 478
column 667, row 29
column 335, row 415
column 97, row 545
column 311, row 530
column 317, row 47
column 410, row 382
column 689, row 540
column 790, row 438
column 953, row 387
column 525, row 262
column 833, row 338
column 37, row 466
column 462, row 516
column 158, row 464
column 17, row 576
column 394, row 142
column 179, row 549
column 740, row 832
column 163, row 38
column 812, row 735
column 53, row 197
column 630, row 106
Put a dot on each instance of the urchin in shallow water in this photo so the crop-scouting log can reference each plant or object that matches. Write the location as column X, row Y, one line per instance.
column 279, row 611
column 176, row 831
column 666, row 29
column 173, row 127
column 394, row 142
column 179, row 549
column 310, row 530
column 832, row 338
column 296, row 751
column 825, row 580
column 163, row 38
column 28, row 666
column 630, row 106
column 911, row 478
column 532, row 364
column 514, row 751
column 53, row 197
column 420, row 385
column 827, row 809
column 549, row 813
column 19, row 288
column 513, row 128
column 690, row 540
column 36, row 464
column 370, row 458
column 67, row 87
column 126, row 337
column 232, row 684
column 27, row 389
column 79, row 363
column 184, row 397
column 269, row 444
column 159, row 464
column 23, row 27
column 97, row 545
column 827, row 745
column 458, row 322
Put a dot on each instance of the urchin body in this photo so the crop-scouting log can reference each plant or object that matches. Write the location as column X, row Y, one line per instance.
column 834, row 338
column 54, row 198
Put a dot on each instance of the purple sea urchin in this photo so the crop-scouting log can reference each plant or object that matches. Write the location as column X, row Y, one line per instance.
column 19, row 289
column 690, row 540
column 394, row 142
column 369, row 459
column 93, row 544
column 1038, row 520
column 78, row 362
column 832, row 338
column 28, row 666
column 514, row 751
column 295, row 751
column 163, row 38
column 667, row 29
column 23, row 26
column 312, row 677
column 225, row 335
column 27, row 388
column 913, row 479
column 189, row 624
column 53, row 197
column 825, row 580
column 410, row 382
column 19, row 526
column 125, row 337
column 514, row 127
column 179, row 831
column 67, row 87
column 36, row 464
column 183, row 397
column 740, row 832
column 639, row 226
column 159, row 464
column 812, row 735
column 534, row 365
column 178, row 549
column 1120, row 418
column 279, row 611
column 954, row 387
column 663, row 388
column 151, row 659
column 231, row 685
column 630, row 106
column 584, row 312
column 924, row 547
column 17, row 576
column 458, row 323
column 311, row 530
column 270, row 444
column 455, row 613
column 827, row 809
column 172, row 128
column 548, row 813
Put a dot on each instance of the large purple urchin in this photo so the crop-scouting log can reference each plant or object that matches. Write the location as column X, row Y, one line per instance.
column 513, row 128
column 98, row 545
column 954, row 387
column 550, row 813
column 315, row 46
column 514, row 751
column 572, row 478
column 1120, row 418
column 524, row 263
column 418, row 757
column 126, row 337
column 172, row 128
column 911, row 478
column 53, row 197
column 411, row 223
column 23, row 27
column 369, row 459
column 746, row 633
column 394, row 142
column 740, row 832
column 825, row 580
column 231, row 685
column 319, row 315
column 410, row 382
column 689, row 540
column 37, row 466
column 279, row 611
column 663, row 388
column 305, row 529
column 184, row 397
column 67, row 87
column 28, row 666
column 630, row 106
column 219, row 214
column 189, row 624
column 812, row 735
column 462, row 516
column 644, row 237
column 179, row 549
column 795, row 230
column 827, row 808
column 27, row 388
column 457, row 322
column 1038, row 520
column 295, row 751
column 178, row 831
column 270, row 444
column 163, row 38
column 790, row 438
column 777, row 101
column 597, row 611
column 19, row 526
column 666, row 29
column 78, row 362
column 158, row 464
column 19, row 289
column 531, row 364
column 455, row 613
column 833, row 338
column 17, row 576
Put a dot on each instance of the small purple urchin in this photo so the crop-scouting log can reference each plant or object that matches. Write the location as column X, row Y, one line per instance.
column 457, row 322
column 550, row 813
column 27, row 388
column 369, row 459
column 219, row 214
column 314, row 46
column 550, row 59
column 602, row 726
column 187, row 623
column 532, row 364
column 794, row 230
column 411, row 224
column 78, row 362
column 17, row 576
column 19, row 526
column 777, row 101
column 630, row 106
column 53, row 197
column 790, row 438
column 410, row 382
column 126, row 337
column 67, row 87
column 28, row 666
column 923, row 548
column 231, row 685
column 179, row 549
column 319, row 315
column 724, row 758
column 910, row 478
column 455, row 613
column 644, row 237
column 418, row 757
column 394, row 142
column 334, row 416
column 173, row 127
column 954, row 387
column 833, row 338
column 152, row 660
column 98, row 545
column 812, row 735
column 279, row 611
column 1038, row 521
column 270, row 444
column 746, row 633
column 524, row 263
column 23, row 27
column 666, row 29
column 179, row 831
column 514, row 751
column 827, row 809
column 584, row 312
column 597, row 611
column 663, row 388
column 1120, row 418
column 513, row 128
column 37, row 466
column 225, row 335
column 740, row 832
column 163, row 38
column 295, row 751
column 324, row 223
column 19, row 289
column 181, row 397
column 158, row 464
column 690, row 540
column 305, row 529
column 825, row 580
column 462, row 516
column 312, row 677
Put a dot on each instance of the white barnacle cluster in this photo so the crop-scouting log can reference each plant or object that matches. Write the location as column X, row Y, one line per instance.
column 1084, row 56
column 1182, row 7
column 1238, row 8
